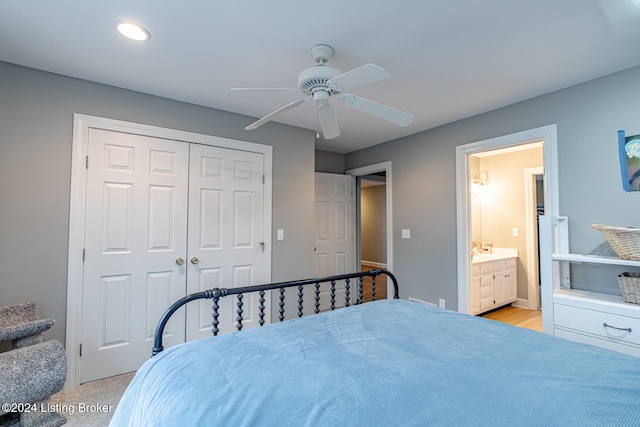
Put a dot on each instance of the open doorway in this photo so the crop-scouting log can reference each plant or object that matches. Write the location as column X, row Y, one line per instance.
column 534, row 199
column 378, row 179
column 372, row 224
column 504, row 238
column 464, row 158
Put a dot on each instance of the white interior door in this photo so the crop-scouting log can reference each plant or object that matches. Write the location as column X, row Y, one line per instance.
column 334, row 242
column 226, row 235
column 135, row 230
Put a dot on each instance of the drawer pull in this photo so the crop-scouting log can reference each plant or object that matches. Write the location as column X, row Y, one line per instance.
column 615, row 327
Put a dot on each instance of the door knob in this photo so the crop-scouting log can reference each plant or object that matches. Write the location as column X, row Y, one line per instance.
column 179, row 261
column 194, row 260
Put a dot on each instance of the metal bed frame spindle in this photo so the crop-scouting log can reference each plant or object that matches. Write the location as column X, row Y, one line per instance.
column 216, row 293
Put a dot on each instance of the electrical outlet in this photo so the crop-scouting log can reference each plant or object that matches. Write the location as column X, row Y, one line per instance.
column 515, row 231
column 441, row 303
column 406, row 233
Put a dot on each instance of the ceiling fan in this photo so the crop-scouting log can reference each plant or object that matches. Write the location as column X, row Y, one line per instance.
column 321, row 83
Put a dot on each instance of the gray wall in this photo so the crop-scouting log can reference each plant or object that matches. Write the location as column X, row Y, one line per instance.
column 36, row 121
column 424, row 195
column 329, row 162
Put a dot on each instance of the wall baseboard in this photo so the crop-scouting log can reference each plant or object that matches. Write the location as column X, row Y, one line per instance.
column 522, row 303
column 421, row 301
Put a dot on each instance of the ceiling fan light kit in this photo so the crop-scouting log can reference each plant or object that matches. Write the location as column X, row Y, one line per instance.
column 322, row 82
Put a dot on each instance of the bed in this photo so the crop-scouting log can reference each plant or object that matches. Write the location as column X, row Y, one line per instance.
column 384, row 363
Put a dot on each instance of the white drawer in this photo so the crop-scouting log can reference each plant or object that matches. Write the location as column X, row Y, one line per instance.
column 486, row 292
column 593, row 322
column 598, row 342
column 486, row 267
column 511, row 264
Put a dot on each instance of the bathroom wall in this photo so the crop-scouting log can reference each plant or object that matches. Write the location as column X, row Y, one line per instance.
column 373, row 220
column 475, row 202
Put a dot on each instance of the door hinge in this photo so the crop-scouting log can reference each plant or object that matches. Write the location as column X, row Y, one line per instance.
column 84, row 254
column 263, row 179
column 86, row 162
column 80, row 349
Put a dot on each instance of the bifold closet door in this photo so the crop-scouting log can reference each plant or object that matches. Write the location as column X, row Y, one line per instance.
column 226, row 234
column 165, row 218
column 136, row 228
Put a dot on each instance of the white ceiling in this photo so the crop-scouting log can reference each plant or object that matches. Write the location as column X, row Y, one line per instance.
column 448, row 59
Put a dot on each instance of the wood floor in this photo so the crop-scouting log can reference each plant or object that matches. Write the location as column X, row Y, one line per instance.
column 516, row 316
column 381, row 286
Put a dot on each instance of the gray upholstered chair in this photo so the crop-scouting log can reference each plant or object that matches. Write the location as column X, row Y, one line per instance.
column 31, row 370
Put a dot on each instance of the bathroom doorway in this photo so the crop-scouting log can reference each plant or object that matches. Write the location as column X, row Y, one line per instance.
column 501, row 228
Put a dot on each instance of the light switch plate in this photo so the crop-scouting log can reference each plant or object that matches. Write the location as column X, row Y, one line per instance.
column 280, row 234
column 406, row 233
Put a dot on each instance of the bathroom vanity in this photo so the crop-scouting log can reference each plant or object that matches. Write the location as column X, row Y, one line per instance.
column 494, row 279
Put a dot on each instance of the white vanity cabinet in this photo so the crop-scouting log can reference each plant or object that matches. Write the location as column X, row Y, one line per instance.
column 594, row 318
column 494, row 280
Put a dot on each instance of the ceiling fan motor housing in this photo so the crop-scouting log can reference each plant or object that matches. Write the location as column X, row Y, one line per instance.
column 315, row 78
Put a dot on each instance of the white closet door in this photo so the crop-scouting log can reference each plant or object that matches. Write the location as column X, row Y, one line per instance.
column 334, row 245
column 136, row 219
column 226, row 235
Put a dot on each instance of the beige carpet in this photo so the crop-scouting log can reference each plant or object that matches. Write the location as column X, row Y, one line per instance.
column 91, row 404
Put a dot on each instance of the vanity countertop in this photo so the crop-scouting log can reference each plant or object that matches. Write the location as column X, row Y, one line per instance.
column 496, row 255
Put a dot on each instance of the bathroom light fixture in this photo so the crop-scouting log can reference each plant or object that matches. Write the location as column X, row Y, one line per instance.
column 478, row 183
column 132, row 31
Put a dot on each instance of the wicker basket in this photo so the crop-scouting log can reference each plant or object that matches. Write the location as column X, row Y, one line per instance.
column 625, row 241
column 630, row 287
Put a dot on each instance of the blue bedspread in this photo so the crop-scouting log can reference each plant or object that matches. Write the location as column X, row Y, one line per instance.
column 387, row 363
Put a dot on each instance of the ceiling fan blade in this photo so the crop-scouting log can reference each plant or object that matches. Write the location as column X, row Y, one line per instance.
column 360, row 76
column 375, row 109
column 328, row 121
column 279, row 111
column 290, row 89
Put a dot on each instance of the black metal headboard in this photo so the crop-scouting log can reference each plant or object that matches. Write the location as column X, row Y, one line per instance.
column 217, row 293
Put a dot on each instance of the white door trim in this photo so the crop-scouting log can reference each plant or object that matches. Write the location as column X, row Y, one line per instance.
column 463, row 216
column 81, row 125
column 532, row 239
column 368, row 170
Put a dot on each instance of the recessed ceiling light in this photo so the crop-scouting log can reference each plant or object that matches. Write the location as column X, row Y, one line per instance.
column 132, row 31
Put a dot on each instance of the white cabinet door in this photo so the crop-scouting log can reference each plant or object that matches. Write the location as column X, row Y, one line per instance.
column 499, row 283
column 475, row 289
column 511, row 281
column 136, row 221
column 486, row 286
column 226, row 235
